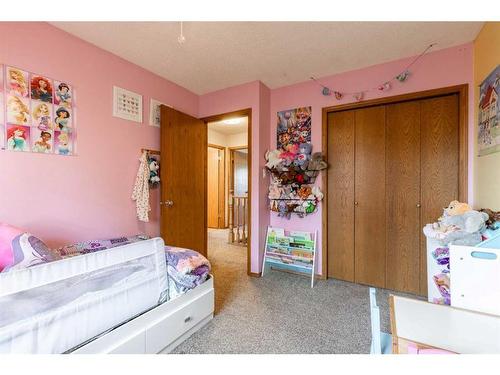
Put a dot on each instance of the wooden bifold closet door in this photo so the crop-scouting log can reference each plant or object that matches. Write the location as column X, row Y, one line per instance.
column 392, row 170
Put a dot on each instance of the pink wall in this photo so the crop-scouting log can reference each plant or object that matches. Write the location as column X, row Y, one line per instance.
column 66, row 199
column 442, row 68
column 256, row 96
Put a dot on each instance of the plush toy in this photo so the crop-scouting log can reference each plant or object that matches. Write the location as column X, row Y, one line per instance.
column 493, row 217
column 456, row 208
column 273, row 159
column 154, row 171
column 274, row 191
column 317, row 163
column 303, row 156
column 304, row 192
column 316, row 192
column 288, row 153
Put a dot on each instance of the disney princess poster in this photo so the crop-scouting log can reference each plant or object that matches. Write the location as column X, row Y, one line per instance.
column 42, row 141
column 63, row 119
column 63, row 95
column 63, row 143
column 41, row 88
column 293, row 127
column 41, row 115
column 18, row 137
column 16, row 81
column 18, row 111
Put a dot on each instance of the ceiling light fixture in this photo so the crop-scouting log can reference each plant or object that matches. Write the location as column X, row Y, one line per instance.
column 181, row 39
column 232, row 121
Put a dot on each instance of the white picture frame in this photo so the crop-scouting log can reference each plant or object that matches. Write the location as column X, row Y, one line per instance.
column 155, row 112
column 127, row 105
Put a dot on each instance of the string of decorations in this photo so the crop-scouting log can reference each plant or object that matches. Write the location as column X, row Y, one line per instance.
column 385, row 86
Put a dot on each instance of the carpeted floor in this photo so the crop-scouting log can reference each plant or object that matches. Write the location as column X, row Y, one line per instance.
column 280, row 313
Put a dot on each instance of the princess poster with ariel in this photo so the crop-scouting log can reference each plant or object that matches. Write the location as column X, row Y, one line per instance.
column 41, row 88
column 18, row 138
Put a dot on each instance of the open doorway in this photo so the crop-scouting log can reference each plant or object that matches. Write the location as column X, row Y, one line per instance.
column 228, row 188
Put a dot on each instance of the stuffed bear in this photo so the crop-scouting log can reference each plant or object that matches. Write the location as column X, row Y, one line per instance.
column 317, row 163
column 273, row 159
column 456, row 208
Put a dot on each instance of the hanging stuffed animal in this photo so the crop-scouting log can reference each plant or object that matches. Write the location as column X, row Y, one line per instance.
column 154, row 171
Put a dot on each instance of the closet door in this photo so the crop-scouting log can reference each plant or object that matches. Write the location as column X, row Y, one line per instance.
column 403, row 196
column 341, row 195
column 439, row 158
column 370, row 206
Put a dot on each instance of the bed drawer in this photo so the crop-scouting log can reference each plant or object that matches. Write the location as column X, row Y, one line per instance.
column 165, row 331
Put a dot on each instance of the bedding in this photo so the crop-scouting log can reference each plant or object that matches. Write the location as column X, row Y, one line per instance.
column 20, row 249
column 186, row 270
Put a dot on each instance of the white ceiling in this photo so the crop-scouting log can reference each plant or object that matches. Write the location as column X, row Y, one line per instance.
column 229, row 129
column 216, row 55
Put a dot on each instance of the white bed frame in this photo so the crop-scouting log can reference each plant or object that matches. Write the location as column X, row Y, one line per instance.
column 159, row 330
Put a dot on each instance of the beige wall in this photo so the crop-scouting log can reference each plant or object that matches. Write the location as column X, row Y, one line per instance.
column 486, row 168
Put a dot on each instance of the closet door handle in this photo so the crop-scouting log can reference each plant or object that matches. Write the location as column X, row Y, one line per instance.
column 356, row 203
column 168, row 203
column 418, row 205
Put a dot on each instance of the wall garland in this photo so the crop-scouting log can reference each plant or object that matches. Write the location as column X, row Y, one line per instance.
column 384, row 86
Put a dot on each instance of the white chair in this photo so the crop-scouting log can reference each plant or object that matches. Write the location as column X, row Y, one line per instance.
column 381, row 341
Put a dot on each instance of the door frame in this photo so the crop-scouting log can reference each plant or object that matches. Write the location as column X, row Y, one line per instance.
column 223, row 149
column 463, row 97
column 226, row 116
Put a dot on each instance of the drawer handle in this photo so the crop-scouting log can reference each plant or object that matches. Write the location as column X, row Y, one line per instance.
column 188, row 319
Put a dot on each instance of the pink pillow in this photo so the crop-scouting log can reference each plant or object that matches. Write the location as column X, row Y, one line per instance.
column 19, row 249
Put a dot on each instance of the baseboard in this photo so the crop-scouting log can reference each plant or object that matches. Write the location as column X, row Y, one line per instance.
column 254, row 274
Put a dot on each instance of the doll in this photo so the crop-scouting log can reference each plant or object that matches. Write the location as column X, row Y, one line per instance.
column 63, row 95
column 41, row 89
column 62, row 119
column 16, row 139
column 41, row 114
column 63, row 148
column 17, row 111
column 17, row 82
column 43, row 143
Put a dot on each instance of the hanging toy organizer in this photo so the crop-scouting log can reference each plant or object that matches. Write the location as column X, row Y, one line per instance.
column 293, row 174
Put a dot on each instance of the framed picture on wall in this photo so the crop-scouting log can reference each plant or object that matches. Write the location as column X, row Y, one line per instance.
column 488, row 135
column 127, row 104
column 155, row 112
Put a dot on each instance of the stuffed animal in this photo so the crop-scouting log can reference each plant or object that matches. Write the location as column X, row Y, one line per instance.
column 303, row 156
column 317, row 163
column 274, row 191
column 456, row 208
column 316, row 192
column 273, row 159
column 154, row 171
column 493, row 217
column 304, row 192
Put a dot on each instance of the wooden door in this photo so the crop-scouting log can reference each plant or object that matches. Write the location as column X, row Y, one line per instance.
column 183, row 188
column 370, row 206
column 403, row 226
column 341, row 195
column 216, row 187
column 440, row 164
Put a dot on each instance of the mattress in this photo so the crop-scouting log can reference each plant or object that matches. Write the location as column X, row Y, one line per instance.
column 53, row 307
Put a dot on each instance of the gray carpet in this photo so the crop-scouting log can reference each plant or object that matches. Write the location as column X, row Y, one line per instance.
column 280, row 313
